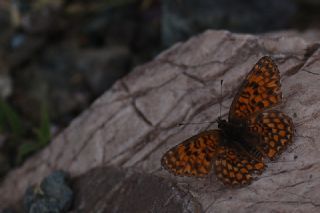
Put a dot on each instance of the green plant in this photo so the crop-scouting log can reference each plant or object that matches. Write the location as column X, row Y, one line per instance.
column 25, row 144
column 11, row 119
column 42, row 137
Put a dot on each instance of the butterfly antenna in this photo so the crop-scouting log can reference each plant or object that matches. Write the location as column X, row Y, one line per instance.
column 221, row 82
column 210, row 122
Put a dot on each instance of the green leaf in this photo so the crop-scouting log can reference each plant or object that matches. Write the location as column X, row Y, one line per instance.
column 2, row 121
column 42, row 137
column 12, row 119
column 43, row 132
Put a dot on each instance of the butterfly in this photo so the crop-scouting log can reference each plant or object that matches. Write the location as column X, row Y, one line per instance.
column 239, row 148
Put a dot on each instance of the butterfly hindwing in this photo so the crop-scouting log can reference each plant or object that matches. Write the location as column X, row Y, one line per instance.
column 236, row 168
column 193, row 157
column 275, row 132
column 260, row 90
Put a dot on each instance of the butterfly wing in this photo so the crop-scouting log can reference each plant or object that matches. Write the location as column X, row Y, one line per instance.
column 274, row 131
column 234, row 168
column 193, row 157
column 260, row 90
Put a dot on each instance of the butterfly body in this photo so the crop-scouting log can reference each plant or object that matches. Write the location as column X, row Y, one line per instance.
column 230, row 131
column 238, row 136
column 253, row 133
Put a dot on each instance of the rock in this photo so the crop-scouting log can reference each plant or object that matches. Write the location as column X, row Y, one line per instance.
column 53, row 195
column 129, row 128
column 311, row 35
column 137, row 192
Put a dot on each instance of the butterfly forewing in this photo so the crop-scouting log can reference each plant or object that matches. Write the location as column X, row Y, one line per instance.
column 260, row 90
column 193, row 157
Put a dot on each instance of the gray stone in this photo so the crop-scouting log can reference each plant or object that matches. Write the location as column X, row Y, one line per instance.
column 53, row 195
column 135, row 192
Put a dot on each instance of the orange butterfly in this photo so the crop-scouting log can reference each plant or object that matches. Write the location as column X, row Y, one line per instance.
column 252, row 133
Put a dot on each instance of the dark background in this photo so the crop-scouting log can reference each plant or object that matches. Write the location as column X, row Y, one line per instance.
column 57, row 56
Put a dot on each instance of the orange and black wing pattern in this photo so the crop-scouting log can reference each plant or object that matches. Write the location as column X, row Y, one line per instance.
column 235, row 168
column 260, row 90
column 194, row 156
column 274, row 132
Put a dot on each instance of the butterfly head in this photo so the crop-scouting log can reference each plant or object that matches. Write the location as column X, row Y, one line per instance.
column 222, row 124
